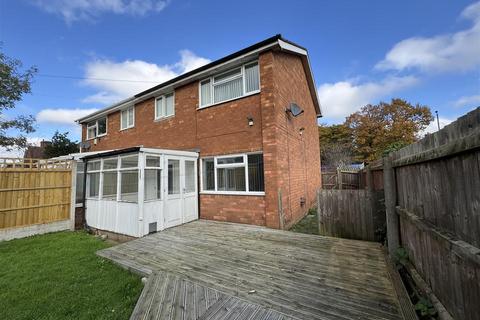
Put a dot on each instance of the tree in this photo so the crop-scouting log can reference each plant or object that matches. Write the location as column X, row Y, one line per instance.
column 14, row 83
column 61, row 145
column 335, row 145
column 377, row 129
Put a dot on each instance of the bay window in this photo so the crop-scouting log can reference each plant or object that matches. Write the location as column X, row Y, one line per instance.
column 127, row 118
column 232, row 84
column 236, row 174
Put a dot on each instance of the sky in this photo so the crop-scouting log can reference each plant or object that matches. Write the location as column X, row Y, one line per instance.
column 92, row 53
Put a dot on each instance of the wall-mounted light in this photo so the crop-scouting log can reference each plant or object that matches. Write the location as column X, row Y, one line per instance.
column 250, row 121
column 302, row 129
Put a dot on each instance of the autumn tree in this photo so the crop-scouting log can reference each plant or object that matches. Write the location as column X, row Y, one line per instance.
column 14, row 83
column 335, row 145
column 384, row 127
column 61, row 145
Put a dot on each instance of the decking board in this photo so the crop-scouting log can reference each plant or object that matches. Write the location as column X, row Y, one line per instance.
column 295, row 275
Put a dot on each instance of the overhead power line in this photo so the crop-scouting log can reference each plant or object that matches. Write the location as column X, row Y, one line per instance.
column 95, row 79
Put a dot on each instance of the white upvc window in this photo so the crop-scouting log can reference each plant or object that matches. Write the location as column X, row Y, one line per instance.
column 165, row 106
column 232, row 84
column 127, row 118
column 97, row 128
column 233, row 174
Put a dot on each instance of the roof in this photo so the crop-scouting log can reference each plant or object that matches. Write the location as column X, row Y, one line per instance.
column 267, row 44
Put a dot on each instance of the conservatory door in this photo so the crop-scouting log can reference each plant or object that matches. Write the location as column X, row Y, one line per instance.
column 181, row 195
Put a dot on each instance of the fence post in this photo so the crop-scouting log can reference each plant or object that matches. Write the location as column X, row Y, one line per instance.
column 371, row 201
column 73, row 193
column 339, row 179
column 393, row 237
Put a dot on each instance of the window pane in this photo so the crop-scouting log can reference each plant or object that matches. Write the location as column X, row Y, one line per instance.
column 93, row 184
column 130, row 117
column 189, row 176
column 123, row 121
column 228, row 74
column 79, row 183
column 158, row 107
column 173, row 176
column 110, row 185
column 230, row 160
column 102, row 126
column 110, row 164
column 152, row 161
column 255, row 172
column 92, row 166
column 153, row 184
column 228, row 90
column 129, row 185
column 205, row 93
column 129, row 162
column 231, row 179
column 208, row 174
column 252, row 82
column 169, row 105
column 91, row 132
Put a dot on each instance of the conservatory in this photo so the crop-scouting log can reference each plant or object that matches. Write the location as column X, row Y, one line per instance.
column 137, row 191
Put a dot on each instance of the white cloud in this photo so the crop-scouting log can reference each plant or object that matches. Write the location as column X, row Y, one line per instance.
column 141, row 75
column 467, row 101
column 75, row 10
column 62, row 116
column 459, row 51
column 433, row 126
column 342, row 98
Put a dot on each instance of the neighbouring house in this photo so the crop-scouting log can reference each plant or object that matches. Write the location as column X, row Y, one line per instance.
column 250, row 119
column 36, row 152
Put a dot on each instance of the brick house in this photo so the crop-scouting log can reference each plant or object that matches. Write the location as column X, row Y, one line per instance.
column 252, row 119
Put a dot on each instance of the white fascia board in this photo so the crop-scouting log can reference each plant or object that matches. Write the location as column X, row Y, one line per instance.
column 170, row 152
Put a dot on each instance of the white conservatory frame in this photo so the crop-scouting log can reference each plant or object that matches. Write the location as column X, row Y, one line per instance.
column 138, row 218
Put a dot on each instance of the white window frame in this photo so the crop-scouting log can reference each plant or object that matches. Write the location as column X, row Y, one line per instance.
column 103, row 170
column 164, row 106
column 213, row 84
column 229, row 165
column 131, row 125
column 159, row 167
column 96, row 129
column 100, row 187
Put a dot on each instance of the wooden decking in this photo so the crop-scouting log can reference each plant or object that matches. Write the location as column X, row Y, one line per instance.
column 280, row 274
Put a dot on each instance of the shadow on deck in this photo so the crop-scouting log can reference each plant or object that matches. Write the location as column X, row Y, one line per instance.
column 215, row 270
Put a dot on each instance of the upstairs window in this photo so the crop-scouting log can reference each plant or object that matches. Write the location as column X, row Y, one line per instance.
column 165, row 106
column 232, row 84
column 97, row 128
column 127, row 118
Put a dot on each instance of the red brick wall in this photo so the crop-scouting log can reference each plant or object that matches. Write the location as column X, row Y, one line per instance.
column 241, row 209
column 298, row 157
column 224, row 129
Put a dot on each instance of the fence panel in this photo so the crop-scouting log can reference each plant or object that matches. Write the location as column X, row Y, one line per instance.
column 353, row 214
column 34, row 191
column 437, row 188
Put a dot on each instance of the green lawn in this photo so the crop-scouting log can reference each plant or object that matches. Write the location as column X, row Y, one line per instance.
column 309, row 223
column 58, row 276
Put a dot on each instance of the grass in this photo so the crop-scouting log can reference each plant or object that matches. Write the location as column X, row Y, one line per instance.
column 58, row 276
column 309, row 223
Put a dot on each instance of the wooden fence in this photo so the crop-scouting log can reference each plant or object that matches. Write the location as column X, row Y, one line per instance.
column 34, row 192
column 432, row 195
column 353, row 214
column 342, row 179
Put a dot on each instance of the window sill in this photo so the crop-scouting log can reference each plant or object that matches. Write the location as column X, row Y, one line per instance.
column 127, row 128
column 234, row 193
column 163, row 118
column 230, row 100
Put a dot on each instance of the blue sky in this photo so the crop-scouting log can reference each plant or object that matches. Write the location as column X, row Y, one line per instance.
column 427, row 52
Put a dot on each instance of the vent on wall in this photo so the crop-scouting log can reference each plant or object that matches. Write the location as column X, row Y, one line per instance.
column 152, row 227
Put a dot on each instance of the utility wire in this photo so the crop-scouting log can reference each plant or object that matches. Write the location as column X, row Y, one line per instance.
column 96, row 79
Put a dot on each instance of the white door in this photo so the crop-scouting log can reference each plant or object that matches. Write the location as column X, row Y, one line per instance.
column 181, row 191
column 190, row 207
column 173, row 205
